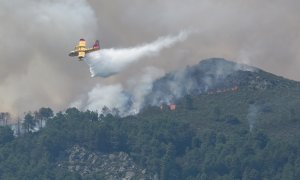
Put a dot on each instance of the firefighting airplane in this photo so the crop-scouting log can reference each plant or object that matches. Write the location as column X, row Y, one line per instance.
column 80, row 50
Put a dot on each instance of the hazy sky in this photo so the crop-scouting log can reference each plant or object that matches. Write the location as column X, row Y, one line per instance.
column 36, row 36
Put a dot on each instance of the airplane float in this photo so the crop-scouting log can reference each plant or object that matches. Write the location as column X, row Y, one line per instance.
column 81, row 50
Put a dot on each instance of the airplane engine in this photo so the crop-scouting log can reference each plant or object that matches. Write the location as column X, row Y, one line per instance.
column 82, row 43
column 81, row 54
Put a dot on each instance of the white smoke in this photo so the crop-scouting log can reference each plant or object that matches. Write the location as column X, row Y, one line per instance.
column 141, row 91
column 107, row 62
column 253, row 112
column 143, row 86
column 127, row 101
column 111, row 96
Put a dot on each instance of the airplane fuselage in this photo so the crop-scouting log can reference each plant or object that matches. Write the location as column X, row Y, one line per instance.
column 80, row 50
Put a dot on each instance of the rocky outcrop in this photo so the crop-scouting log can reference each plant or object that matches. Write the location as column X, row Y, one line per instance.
column 113, row 166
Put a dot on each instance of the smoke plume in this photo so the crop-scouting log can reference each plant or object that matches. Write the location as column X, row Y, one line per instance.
column 151, row 89
column 37, row 35
column 107, row 62
column 253, row 111
column 127, row 101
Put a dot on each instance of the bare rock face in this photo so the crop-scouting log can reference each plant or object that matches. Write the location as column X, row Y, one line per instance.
column 112, row 166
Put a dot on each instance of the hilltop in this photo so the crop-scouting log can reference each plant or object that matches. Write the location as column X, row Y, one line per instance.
column 231, row 121
column 212, row 75
column 220, row 90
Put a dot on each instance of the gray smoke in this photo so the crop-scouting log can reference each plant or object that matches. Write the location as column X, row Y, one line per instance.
column 35, row 39
column 128, row 100
column 111, row 96
column 152, row 90
column 37, row 35
column 208, row 75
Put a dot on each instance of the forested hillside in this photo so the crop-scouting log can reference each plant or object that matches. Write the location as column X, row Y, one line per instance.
column 245, row 126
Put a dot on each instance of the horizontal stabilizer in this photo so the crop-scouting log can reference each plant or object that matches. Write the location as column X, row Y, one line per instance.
column 96, row 45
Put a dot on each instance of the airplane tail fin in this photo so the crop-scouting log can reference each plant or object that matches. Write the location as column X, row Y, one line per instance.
column 96, row 45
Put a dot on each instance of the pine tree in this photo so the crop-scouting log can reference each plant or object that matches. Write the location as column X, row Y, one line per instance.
column 29, row 122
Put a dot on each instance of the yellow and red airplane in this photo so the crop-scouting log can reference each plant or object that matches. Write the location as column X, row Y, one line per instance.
column 80, row 50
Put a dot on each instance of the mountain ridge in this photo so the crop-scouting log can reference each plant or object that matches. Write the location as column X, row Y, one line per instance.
column 231, row 124
column 211, row 74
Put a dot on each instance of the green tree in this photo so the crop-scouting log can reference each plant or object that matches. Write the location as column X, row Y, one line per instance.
column 217, row 113
column 251, row 174
column 6, row 134
column 45, row 114
column 168, row 165
column 73, row 112
column 38, row 118
column 288, row 172
column 29, row 122
column 5, row 117
column 297, row 168
column 189, row 102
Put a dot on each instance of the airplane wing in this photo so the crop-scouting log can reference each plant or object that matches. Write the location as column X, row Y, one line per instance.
column 73, row 53
column 90, row 50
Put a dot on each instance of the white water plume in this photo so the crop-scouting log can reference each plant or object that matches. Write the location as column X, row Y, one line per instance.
column 107, row 62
